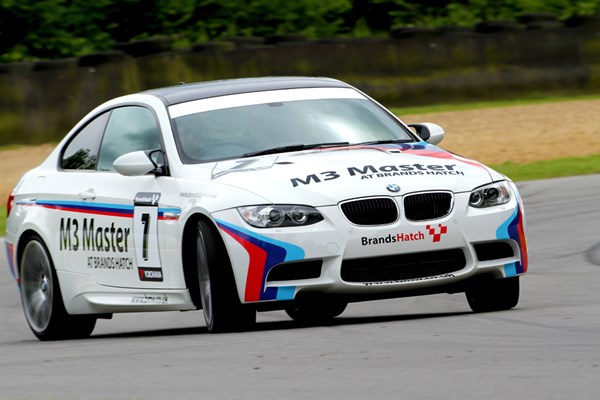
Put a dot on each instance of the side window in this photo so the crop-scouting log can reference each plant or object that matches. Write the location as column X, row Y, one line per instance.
column 82, row 151
column 128, row 129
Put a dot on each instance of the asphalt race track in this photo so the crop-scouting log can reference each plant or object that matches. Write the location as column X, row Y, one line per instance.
column 416, row 348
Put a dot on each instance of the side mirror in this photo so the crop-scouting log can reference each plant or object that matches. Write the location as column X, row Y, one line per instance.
column 429, row 132
column 140, row 163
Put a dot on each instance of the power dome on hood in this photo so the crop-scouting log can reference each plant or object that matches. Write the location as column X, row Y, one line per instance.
column 351, row 171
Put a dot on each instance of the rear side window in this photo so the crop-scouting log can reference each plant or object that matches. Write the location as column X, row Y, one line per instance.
column 82, row 151
column 129, row 129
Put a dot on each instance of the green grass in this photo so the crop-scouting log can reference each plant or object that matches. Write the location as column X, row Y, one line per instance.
column 534, row 99
column 2, row 221
column 551, row 168
column 518, row 172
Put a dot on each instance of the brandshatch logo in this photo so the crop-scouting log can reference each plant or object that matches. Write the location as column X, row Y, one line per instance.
column 434, row 232
column 437, row 236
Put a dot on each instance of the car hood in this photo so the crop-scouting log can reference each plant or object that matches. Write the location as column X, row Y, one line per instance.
column 327, row 176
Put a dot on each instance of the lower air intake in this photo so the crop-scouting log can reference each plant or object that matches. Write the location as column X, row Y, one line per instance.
column 403, row 266
column 493, row 251
column 293, row 271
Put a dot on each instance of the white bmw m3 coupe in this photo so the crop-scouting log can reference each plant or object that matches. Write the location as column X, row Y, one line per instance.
column 237, row 196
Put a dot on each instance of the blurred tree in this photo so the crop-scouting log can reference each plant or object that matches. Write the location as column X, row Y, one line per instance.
column 125, row 20
column 214, row 19
column 31, row 29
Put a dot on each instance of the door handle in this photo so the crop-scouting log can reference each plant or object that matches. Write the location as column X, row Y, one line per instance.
column 88, row 194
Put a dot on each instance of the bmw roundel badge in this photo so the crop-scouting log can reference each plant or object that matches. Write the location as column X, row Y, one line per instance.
column 392, row 187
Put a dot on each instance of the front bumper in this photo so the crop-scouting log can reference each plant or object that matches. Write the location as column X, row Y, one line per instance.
column 337, row 257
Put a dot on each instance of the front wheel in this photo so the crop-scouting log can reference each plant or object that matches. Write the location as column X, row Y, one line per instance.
column 42, row 302
column 223, row 311
column 493, row 294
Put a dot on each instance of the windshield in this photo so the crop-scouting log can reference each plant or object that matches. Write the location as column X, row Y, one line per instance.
column 279, row 126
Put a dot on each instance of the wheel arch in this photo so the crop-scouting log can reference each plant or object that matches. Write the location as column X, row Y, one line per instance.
column 22, row 241
column 188, row 254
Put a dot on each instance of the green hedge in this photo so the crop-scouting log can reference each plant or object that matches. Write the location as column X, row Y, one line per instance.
column 50, row 29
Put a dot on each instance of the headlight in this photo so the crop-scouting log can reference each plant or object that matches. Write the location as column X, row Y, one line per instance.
column 275, row 215
column 490, row 195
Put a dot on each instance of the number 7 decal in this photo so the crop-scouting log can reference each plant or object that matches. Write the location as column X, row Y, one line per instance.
column 146, row 223
column 145, row 236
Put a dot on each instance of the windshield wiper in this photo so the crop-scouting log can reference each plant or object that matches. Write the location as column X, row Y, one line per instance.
column 384, row 141
column 293, row 147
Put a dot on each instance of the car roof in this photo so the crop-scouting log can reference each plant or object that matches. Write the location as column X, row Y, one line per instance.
column 202, row 90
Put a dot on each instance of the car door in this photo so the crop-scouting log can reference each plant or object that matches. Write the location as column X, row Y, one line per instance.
column 112, row 229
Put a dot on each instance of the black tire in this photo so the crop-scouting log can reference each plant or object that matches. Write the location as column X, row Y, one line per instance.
column 493, row 294
column 41, row 297
column 223, row 311
column 316, row 309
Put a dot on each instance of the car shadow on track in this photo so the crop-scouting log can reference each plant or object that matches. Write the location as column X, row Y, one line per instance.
column 285, row 325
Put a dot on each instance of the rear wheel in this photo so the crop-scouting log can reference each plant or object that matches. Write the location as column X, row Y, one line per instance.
column 42, row 301
column 223, row 311
column 493, row 294
column 316, row 309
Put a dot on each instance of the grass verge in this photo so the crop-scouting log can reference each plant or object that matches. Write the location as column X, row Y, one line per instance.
column 400, row 111
column 2, row 221
column 517, row 172
column 551, row 168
